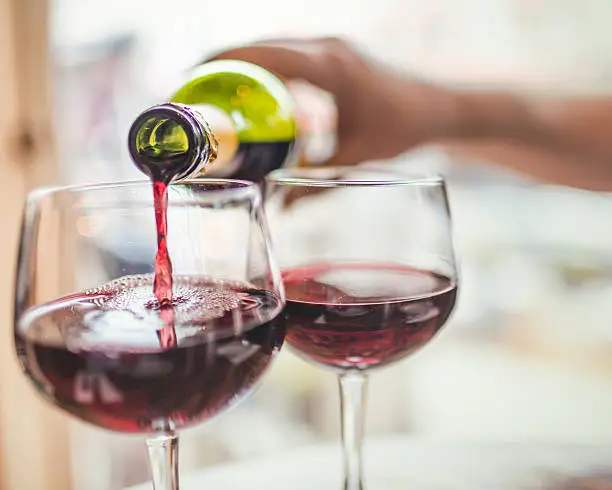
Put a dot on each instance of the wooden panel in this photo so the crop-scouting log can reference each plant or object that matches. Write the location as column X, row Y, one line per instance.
column 33, row 437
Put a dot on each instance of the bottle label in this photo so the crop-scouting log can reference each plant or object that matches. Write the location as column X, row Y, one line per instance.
column 317, row 118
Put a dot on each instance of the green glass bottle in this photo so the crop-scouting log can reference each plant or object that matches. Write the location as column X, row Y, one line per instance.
column 233, row 111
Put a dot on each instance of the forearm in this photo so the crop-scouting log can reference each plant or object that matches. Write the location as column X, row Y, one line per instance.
column 562, row 140
column 539, row 163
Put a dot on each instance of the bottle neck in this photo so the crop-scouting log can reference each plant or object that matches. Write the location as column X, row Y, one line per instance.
column 171, row 142
column 226, row 133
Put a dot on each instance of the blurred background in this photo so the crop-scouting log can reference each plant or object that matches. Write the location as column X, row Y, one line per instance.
column 528, row 354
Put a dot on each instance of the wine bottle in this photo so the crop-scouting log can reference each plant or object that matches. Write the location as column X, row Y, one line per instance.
column 232, row 112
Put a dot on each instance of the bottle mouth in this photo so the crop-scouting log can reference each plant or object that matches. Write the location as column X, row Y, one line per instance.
column 169, row 142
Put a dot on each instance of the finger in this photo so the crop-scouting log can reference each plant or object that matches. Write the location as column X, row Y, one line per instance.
column 294, row 194
column 348, row 152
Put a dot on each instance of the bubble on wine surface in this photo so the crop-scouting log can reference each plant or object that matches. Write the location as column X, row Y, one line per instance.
column 125, row 313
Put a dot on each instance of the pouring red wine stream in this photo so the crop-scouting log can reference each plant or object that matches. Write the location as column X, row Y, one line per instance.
column 169, row 143
column 162, row 284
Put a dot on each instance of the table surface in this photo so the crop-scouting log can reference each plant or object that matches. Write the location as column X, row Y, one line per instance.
column 408, row 463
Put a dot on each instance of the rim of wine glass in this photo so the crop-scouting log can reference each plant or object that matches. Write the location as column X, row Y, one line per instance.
column 298, row 176
column 237, row 186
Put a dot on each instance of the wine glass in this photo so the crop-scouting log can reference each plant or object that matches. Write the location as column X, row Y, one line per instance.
column 89, row 331
column 369, row 271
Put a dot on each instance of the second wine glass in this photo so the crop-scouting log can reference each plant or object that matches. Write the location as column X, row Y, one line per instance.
column 369, row 272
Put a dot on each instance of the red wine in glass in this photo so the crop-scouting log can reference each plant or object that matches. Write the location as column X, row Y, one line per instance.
column 97, row 355
column 364, row 315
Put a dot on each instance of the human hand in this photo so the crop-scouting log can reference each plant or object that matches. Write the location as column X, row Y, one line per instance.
column 380, row 113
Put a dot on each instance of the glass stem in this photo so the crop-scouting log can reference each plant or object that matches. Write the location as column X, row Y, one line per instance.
column 163, row 456
column 352, row 408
